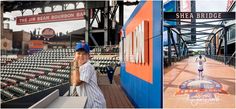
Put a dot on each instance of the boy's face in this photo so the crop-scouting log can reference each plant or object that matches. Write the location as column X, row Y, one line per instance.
column 82, row 57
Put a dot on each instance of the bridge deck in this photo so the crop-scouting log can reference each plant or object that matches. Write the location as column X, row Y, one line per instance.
column 186, row 70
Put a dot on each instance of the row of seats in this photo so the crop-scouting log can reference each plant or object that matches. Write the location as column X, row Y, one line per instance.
column 58, row 75
column 19, row 78
column 60, row 63
column 51, row 79
column 36, row 72
column 52, row 66
column 13, row 79
column 44, row 69
column 16, row 90
column 22, row 65
column 6, row 95
column 107, row 49
column 50, row 56
column 5, row 61
column 58, row 49
column 27, row 75
column 100, row 62
column 28, row 87
column 16, row 71
column 63, row 71
column 3, row 84
column 9, row 80
column 11, row 68
column 38, row 61
column 42, row 84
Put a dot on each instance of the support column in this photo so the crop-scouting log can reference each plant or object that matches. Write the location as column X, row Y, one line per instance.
column 178, row 36
column 186, row 49
column 225, row 45
column 173, row 42
column 70, row 42
column 121, row 12
column 193, row 22
column 210, row 48
column 169, row 45
column 214, row 44
column 106, row 22
column 123, row 49
column 2, row 20
column 87, row 22
column 179, row 41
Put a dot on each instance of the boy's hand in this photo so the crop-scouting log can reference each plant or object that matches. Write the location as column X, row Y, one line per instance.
column 75, row 64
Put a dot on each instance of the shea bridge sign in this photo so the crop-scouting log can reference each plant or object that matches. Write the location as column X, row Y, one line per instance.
column 199, row 15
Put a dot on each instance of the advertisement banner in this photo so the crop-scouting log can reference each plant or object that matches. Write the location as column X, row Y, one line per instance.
column 52, row 17
column 36, row 44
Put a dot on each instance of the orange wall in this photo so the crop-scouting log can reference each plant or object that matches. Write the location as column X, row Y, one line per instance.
column 142, row 71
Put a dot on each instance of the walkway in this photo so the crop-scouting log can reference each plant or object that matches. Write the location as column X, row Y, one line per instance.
column 187, row 70
column 114, row 94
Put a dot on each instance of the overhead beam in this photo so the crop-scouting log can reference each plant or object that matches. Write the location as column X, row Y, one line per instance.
column 19, row 5
column 199, row 41
column 205, row 22
column 97, row 30
column 197, row 31
column 128, row 3
column 198, row 48
column 203, row 33
column 169, row 45
column 193, row 26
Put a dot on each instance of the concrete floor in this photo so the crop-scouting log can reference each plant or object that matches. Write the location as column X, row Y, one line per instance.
column 186, row 70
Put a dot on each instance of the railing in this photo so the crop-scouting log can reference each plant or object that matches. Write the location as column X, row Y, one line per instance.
column 105, row 50
column 173, row 59
column 229, row 60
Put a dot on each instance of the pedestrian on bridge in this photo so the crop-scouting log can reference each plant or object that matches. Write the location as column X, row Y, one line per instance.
column 200, row 61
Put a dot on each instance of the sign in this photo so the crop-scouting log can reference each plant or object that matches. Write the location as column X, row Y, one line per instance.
column 52, row 17
column 136, row 44
column 48, row 32
column 195, row 85
column 199, row 15
column 36, row 44
column 201, row 95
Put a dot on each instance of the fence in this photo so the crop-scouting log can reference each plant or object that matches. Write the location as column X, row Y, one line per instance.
column 229, row 60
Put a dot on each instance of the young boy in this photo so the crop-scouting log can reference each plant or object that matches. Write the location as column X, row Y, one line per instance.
column 84, row 76
column 200, row 65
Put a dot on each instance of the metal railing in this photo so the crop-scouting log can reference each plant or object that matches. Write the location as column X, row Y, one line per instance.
column 173, row 59
column 229, row 60
column 103, row 49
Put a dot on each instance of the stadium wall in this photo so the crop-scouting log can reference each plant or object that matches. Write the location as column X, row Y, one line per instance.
column 141, row 78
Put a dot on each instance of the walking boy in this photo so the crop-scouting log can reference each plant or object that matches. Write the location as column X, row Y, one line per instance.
column 200, row 61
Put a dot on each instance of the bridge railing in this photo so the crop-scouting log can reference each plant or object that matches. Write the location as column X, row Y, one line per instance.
column 229, row 60
column 173, row 59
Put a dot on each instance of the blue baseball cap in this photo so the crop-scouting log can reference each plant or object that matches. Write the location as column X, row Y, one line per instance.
column 83, row 45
